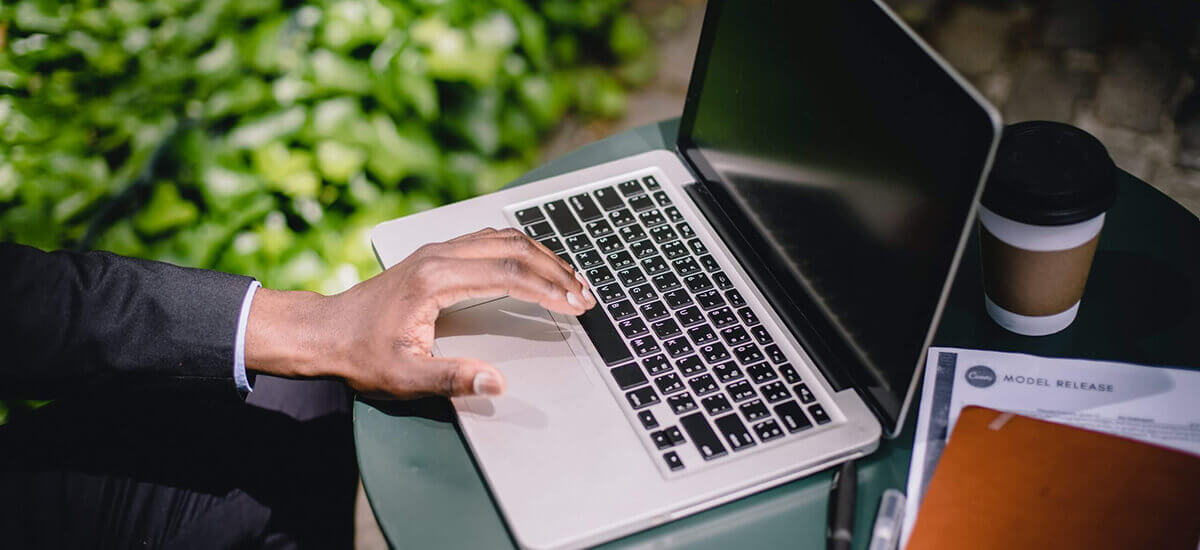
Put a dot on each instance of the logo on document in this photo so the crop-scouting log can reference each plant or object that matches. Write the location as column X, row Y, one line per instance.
column 981, row 376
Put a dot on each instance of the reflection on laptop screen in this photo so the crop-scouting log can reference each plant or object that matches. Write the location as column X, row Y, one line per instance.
column 852, row 158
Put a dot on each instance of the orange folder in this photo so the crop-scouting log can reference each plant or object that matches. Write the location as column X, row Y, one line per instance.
column 1008, row 481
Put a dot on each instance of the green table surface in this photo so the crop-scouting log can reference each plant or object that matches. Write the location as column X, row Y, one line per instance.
column 1142, row 305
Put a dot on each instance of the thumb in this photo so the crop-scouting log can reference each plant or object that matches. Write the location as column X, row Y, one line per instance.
column 460, row 376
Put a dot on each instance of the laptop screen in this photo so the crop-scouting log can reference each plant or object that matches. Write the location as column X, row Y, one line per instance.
column 848, row 159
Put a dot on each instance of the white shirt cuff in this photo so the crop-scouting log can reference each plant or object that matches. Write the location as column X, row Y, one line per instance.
column 239, row 343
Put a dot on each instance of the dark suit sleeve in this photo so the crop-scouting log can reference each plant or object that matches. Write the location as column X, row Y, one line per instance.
column 70, row 322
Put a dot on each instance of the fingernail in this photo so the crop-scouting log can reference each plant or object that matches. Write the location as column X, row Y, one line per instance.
column 573, row 300
column 486, row 383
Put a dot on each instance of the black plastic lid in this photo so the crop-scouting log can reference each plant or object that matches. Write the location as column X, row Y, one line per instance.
column 1050, row 173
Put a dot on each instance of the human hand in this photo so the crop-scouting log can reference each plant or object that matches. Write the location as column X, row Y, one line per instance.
column 378, row 335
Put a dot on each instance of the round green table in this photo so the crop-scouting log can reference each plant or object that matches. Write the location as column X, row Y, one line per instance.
column 1142, row 305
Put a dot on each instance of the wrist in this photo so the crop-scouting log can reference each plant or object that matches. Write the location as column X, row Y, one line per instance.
column 285, row 335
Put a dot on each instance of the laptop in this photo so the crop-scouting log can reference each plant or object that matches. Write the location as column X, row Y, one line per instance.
column 766, row 289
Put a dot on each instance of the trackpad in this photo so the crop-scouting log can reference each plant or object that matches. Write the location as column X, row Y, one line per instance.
column 524, row 342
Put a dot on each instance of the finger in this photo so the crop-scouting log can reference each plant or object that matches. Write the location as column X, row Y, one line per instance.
column 475, row 234
column 452, row 280
column 523, row 248
column 456, row 376
column 514, row 234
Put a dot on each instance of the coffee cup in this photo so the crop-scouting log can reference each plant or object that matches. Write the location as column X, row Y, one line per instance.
column 1039, row 224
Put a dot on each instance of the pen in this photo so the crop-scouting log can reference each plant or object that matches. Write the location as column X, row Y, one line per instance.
column 842, row 493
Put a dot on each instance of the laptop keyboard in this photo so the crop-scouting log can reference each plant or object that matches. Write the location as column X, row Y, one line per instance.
column 671, row 327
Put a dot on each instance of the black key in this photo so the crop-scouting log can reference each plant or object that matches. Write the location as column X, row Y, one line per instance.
column 589, row 259
column 656, row 364
column 609, row 244
column 714, row 353
column 722, row 280
column 654, row 265
column 804, row 394
column 748, row 317
column 599, row 228
column 677, row 347
column 710, row 264
column 685, row 266
column 647, row 419
column 775, row 392
column 608, row 198
column 701, row 335
column 789, row 374
column 703, row 384
column 677, row 298
column 710, row 299
column 602, row 334
column 562, row 219
column 702, row 436
column 633, row 233
column 674, row 435
column 669, row 383
column 621, row 310
column 666, row 328
column 599, row 276
column 741, row 390
column 682, row 403
column 662, row 234
column 735, row 298
column 642, row 294
column 584, row 207
column 735, row 336
column 566, row 258
column 697, row 247
column 689, row 316
column 685, row 231
column 651, row 183
column 716, row 404
column 644, row 346
column 619, row 260
column 539, row 230
column 630, row 188
column 818, row 414
column 553, row 244
column 641, row 202
column 665, row 282
column 661, row 198
column 660, row 439
column 727, row 371
column 722, row 317
column 689, row 365
column 621, row 218
column 633, row 328
column 652, row 218
column 610, row 293
column 654, row 311
column 792, row 416
column 642, row 397
column 673, row 214
column 674, row 250
column 674, row 463
column 768, row 430
column 775, row 354
column 754, row 410
column 698, row 282
column 641, row 249
column 632, row 276
column 578, row 243
column 761, row 372
column 529, row 215
column 761, row 335
column 735, row 432
column 628, row 376
column 747, row 353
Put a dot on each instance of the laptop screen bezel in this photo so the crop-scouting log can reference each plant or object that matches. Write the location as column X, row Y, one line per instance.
column 829, row 340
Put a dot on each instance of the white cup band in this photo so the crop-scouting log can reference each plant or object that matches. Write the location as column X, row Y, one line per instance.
column 1040, row 237
column 1030, row 325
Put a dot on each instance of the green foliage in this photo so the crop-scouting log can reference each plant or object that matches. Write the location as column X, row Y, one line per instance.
column 266, row 137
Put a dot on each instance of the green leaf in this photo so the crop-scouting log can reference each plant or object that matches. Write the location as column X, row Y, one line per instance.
column 165, row 211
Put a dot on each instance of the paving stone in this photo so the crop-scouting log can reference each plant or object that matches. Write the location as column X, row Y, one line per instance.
column 1042, row 90
column 1189, row 140
column 1134, row 87
column 973, row 38
column 1142, row 155
column 1075, row 23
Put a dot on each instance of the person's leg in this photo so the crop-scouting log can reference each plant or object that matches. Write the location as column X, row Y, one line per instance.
column 125, row 470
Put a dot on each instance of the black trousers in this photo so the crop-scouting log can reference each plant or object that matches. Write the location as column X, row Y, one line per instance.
column 169, row 470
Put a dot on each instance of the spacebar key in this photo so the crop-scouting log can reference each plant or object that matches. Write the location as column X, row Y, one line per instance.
column 600, row 330
column 703, row 436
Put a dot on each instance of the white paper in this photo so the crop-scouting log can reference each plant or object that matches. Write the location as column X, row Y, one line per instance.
column 1153, row 404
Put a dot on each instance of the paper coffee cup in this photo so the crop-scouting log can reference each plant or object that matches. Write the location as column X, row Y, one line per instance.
column 1040, row 222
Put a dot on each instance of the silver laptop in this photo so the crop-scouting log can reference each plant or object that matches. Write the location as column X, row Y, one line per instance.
column 766, row 290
